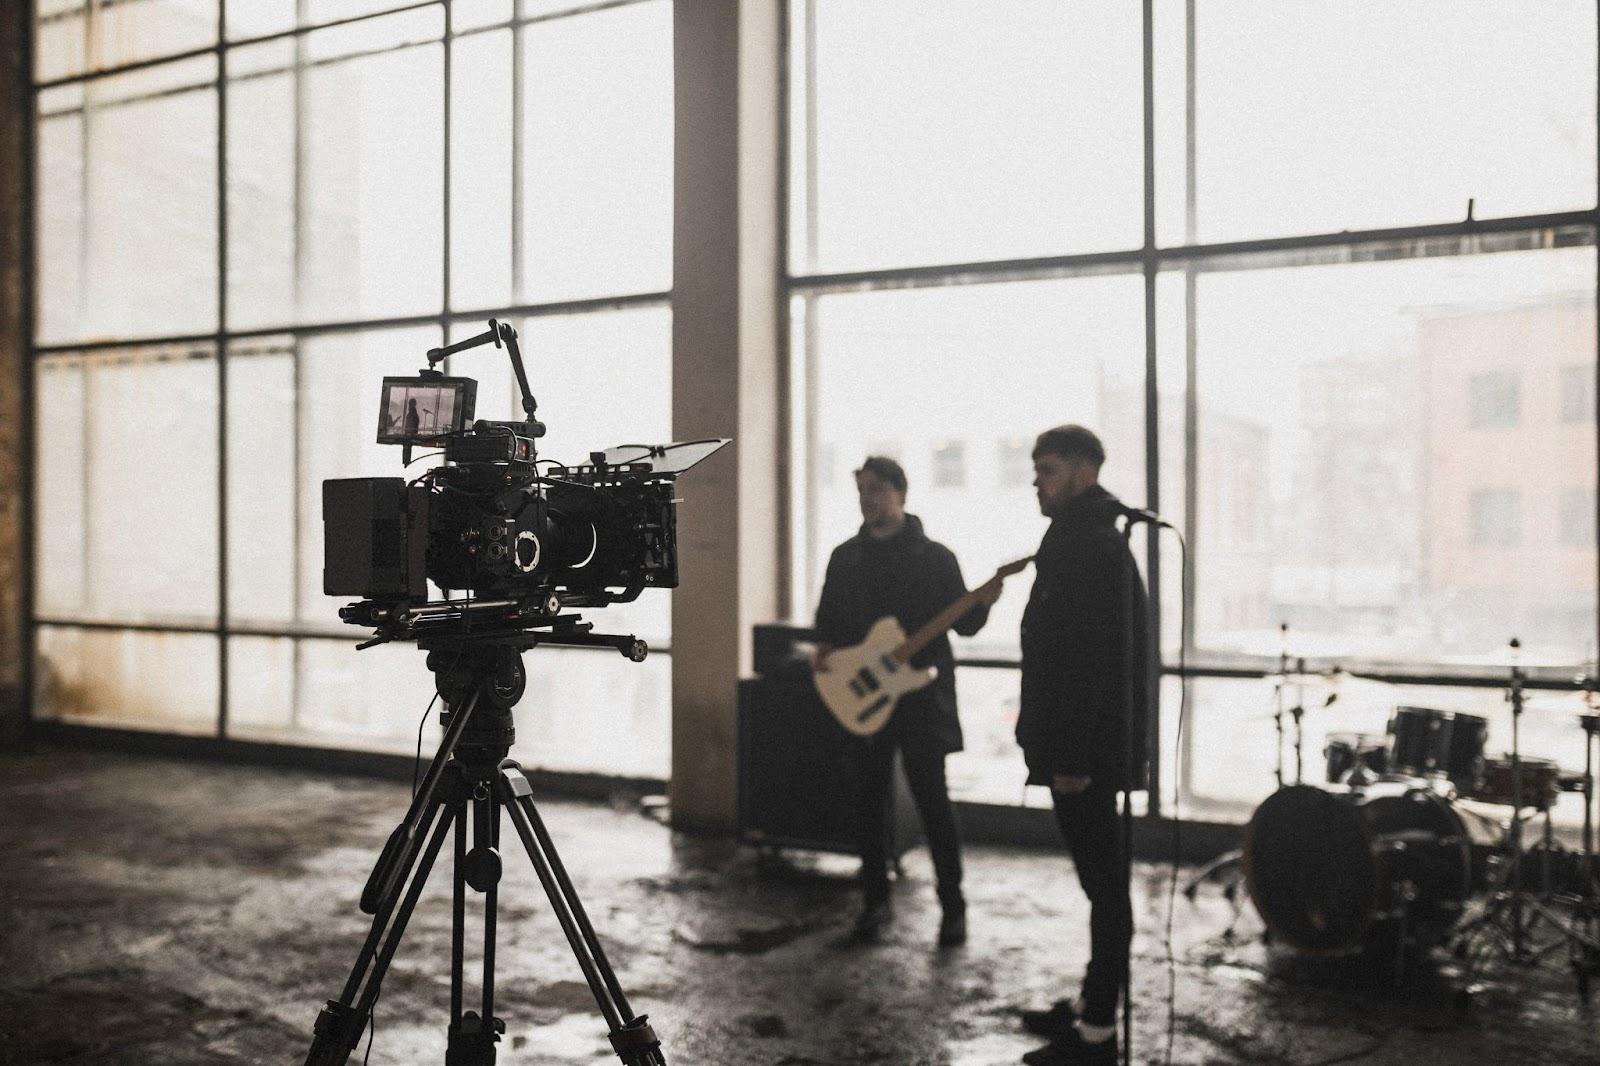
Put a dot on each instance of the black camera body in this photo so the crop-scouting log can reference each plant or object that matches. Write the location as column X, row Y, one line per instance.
column 523, row 535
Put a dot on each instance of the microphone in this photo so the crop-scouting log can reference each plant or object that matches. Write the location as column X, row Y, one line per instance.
column 1139, row 514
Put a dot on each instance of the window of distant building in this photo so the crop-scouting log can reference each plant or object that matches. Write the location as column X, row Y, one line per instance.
column 950, row 464
column 1495, row 399
column 1577, row 393
column 1015, row 461
column 1577, row 518
column 1496, row 518
column 889, row 449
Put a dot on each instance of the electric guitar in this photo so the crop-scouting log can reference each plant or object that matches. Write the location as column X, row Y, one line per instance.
column 861, row 684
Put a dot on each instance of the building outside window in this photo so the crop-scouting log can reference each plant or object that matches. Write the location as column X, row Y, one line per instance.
column 1577, row 518
column 1577, row 394
column 1014, row 459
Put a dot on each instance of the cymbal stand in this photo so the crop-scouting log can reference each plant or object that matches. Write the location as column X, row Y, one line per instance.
column 1502, row 920
column 1277, row 692
column 1580, row 926
column 1226, row 867
column 1575, row 913
column 1297, row 712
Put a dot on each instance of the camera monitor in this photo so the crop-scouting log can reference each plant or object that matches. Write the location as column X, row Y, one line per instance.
column 424, row 410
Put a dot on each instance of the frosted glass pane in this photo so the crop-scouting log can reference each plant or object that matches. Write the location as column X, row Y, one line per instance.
column 60, row 506
column 374, row 152
column 122, row 33
column 129, row 32
column 480, row 172
column 261, row 482
column 1314, row 117
column 947, row 133
column 152, row 497
column 371, row 699
column 261, row 227
column 465, row 14
column 261, row 685
column 152, row 211
column 254, row 18
column 58, row 38
column 59, row 227
column 597, row 167
column 165, row 681
column 596, row 712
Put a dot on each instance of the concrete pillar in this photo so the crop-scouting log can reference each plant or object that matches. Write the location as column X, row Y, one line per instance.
column 726, row 378
column 16, row 159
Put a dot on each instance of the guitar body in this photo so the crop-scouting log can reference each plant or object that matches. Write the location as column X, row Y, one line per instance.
column 863, row 683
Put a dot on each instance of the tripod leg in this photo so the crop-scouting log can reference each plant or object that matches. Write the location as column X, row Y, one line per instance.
column 340, row 1024
column 383, row 886
column 458, row 913
column 631, row 1037
column 473, row 1035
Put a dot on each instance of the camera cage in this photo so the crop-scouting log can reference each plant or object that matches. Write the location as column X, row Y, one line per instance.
column 436, row 410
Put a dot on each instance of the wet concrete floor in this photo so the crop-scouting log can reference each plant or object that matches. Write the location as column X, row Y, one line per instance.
column 156, row 911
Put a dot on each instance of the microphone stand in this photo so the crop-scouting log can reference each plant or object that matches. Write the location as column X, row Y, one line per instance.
column 1133, row 516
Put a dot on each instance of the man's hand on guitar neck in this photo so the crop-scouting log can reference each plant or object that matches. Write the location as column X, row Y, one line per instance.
column 989, row 592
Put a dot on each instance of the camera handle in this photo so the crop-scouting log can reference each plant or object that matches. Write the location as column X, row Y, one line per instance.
column 497, row 333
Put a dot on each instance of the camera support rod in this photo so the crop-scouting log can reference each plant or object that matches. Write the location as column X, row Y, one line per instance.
column 496, row 333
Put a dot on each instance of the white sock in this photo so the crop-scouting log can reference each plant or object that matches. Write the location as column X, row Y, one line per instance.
column 1095, row 1034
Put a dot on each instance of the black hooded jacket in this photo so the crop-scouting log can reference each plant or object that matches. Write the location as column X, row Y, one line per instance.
column 1076, row 693
column 913, row 579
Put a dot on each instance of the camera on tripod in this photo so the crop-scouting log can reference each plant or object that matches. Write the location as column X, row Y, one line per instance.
column 524, row 537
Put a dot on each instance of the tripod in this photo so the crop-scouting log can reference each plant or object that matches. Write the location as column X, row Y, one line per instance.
column 479, row 678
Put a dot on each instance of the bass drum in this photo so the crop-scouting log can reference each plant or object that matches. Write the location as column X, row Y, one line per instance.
column 1329, row 871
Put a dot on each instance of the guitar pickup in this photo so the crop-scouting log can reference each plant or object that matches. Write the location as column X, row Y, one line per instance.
column 873, row 708
column 868, row 682
column 888, row 664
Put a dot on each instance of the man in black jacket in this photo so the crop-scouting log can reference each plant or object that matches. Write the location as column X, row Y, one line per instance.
column 1081, row 724
column 891, row 567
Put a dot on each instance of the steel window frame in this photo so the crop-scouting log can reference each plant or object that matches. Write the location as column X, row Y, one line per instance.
column 222, row 339
column 1572, row 228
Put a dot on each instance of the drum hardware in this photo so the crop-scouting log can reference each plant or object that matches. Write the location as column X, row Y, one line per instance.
column 1355, row 759
column 1583, row 934
column 1568, row 906
column 1503, row 922
column 1277, row 692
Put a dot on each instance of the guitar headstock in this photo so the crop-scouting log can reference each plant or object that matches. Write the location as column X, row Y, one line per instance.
column 1014, row 568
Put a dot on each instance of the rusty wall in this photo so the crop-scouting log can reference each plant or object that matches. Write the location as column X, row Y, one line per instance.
column 16, row 133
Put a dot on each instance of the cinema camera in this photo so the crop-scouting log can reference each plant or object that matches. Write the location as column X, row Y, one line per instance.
column 522, row 542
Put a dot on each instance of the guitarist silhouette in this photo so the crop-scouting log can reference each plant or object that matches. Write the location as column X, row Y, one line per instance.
column 892, row 569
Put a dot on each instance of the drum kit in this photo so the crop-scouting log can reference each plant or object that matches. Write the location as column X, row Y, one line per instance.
column 1414, row 839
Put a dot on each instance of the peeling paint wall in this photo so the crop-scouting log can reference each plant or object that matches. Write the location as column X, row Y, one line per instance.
column 15, row 137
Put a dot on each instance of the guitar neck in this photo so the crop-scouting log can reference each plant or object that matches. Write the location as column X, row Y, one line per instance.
column 935, row 627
